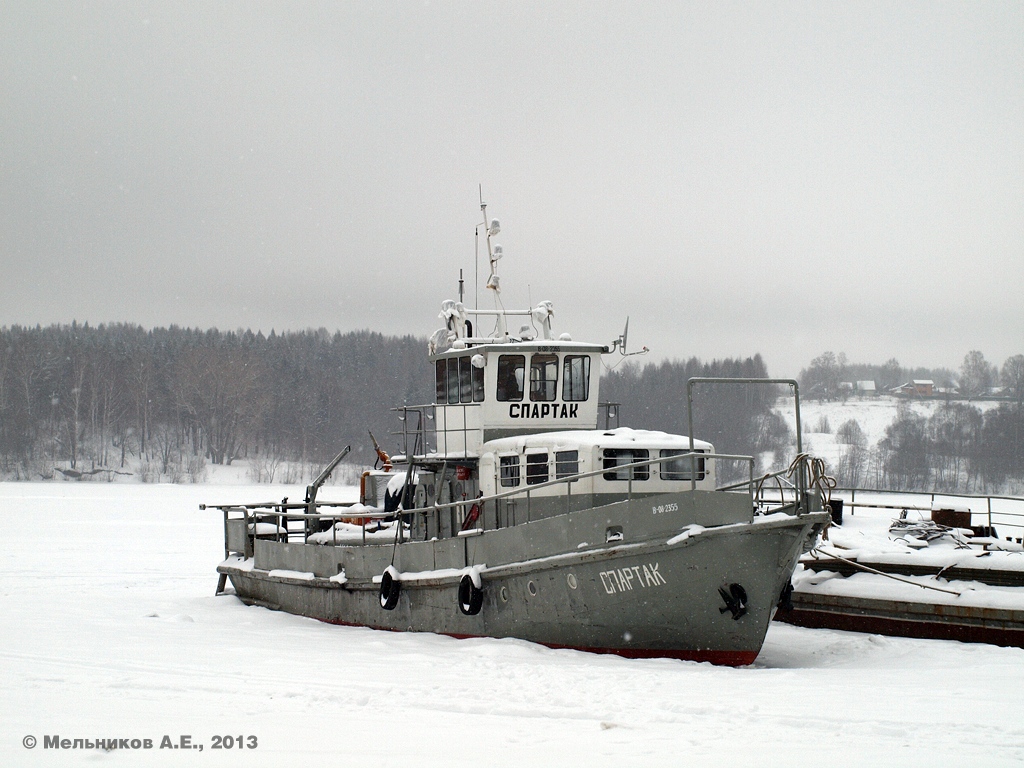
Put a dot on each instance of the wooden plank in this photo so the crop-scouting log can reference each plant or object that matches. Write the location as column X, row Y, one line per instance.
column 905, row 619
column 991, row 576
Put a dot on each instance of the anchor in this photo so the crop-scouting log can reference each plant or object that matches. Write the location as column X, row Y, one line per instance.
column 735, row 600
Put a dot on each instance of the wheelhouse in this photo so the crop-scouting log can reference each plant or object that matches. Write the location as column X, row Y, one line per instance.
column 491, row 391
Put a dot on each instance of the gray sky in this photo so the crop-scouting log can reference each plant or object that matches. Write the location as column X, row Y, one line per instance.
column 781, row 178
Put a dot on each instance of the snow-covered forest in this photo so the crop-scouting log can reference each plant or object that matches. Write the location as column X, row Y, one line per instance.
column 166, row 401
column 164, row 404
column 736, row 419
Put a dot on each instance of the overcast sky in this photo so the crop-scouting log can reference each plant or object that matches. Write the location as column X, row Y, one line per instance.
column 782, row 178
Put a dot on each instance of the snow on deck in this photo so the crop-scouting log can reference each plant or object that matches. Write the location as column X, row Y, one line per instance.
column 865, row 537
column 111, row 629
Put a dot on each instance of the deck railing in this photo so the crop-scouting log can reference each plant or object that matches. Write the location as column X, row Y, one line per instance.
column 246, row 518
column 284, row 513
column 1006, row 512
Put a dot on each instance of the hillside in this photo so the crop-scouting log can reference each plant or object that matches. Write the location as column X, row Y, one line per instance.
column 823, row 420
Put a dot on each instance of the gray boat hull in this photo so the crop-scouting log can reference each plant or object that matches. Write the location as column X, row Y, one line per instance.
column 657, row 592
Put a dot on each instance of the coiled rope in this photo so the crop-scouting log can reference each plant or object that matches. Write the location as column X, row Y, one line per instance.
column 818, row 478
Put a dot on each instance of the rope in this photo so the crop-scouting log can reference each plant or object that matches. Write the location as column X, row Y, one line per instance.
column 855, row 564
column 760, row 487
column 818, row 477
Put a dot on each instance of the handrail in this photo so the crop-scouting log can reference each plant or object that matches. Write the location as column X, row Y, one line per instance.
column 451, row 435
column 576, row 477
column 280, row 510
column 276, row 508
column 781, row 474
column 933, row 494
column 987, row 498
column 425, row 431
column 421, row 432
column 261, row 505
column 801, row 478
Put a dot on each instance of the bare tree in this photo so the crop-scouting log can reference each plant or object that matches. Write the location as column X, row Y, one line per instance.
column 1012, row 377
column 891, row 374
column 1002, row 453
column 72, row 406
column 821, row 379
column 976, row 374
column 955, row 432
column 218, row 388
column 850, row 433
column 906, row 444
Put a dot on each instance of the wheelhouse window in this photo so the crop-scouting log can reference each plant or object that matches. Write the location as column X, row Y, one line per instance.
column 509, row 471
column 543, row 377
column 441, row 381
column 453, row 380
column 576, row 378
column 465, row 380
column 536, row 468
column 679, row 469
column 617, row 457
column 457, row 380
column 511, row 370
column 478, row 383
column 567, row 463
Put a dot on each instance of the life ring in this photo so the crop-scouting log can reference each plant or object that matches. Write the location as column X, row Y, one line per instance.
column 471, row 597
column 390, row 588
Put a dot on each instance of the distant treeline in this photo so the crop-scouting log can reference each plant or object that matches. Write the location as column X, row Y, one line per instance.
column 736, row 418
column 824, row 377
column 164, row 402
column 958, row 449
column 82, row 397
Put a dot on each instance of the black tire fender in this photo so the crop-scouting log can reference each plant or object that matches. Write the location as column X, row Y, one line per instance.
column 390, row 589
column 471, row 597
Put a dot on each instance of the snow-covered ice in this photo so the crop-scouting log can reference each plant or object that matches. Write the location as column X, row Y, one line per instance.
column 111, row 630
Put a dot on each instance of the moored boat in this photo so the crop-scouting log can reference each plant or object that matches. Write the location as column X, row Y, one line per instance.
column 510, row 513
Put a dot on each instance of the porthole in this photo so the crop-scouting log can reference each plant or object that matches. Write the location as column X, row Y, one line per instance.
column 504, row 595
column 571, row 580
column 533, row 588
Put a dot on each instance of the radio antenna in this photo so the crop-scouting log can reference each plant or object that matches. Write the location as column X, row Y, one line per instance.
column 494, row 252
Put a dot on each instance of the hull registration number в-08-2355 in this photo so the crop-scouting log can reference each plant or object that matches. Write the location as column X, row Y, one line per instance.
column 663, row 508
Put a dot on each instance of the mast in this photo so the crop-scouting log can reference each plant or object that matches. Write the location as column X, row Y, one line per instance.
column 494, row 253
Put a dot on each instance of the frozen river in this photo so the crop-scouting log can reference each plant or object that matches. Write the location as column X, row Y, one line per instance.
column 110, row 630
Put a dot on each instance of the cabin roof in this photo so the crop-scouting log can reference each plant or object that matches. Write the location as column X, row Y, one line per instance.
column 623, row 437
column 537, row 345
